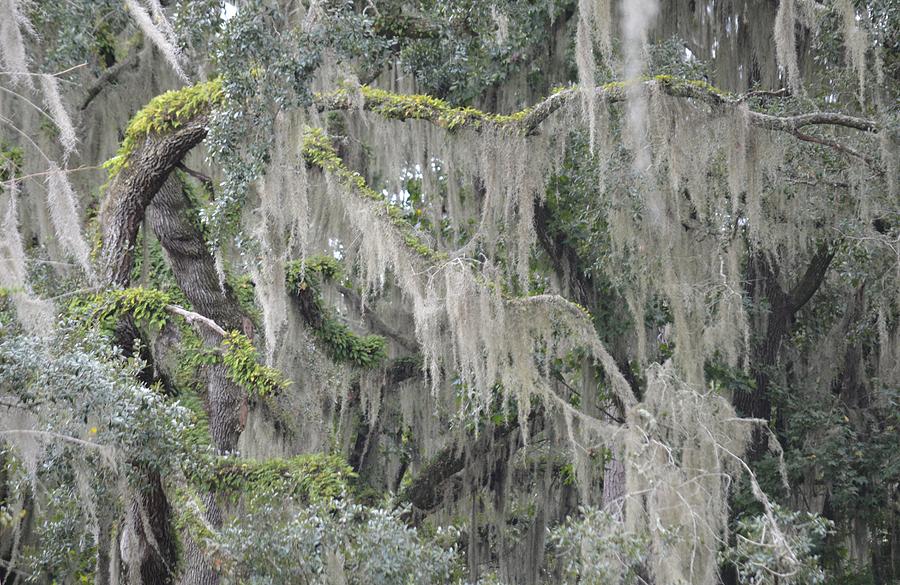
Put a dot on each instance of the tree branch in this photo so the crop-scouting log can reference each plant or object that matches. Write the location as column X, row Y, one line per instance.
column 527, row 122
column 812, row 278
column 156, row 140
column 193, row 319
column 837, row 146
column 109, row 76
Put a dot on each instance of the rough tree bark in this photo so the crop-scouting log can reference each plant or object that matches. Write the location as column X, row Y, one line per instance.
column 170, row 217
column 173, row 220
column 132, row 190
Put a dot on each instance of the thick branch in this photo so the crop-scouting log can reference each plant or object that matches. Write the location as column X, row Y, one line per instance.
column 156, row 140
column 426, row 490
column 169, row 216
column 132, row 189
column 812, row 278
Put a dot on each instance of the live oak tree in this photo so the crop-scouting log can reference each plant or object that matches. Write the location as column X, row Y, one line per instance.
column 335, row 291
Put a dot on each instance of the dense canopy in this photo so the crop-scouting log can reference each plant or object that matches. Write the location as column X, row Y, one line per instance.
column 469, row 291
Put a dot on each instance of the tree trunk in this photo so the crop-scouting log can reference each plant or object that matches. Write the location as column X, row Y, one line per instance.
column 175, row 223
column 774, row 317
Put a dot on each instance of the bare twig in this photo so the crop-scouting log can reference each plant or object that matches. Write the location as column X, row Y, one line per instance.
column 194, row 318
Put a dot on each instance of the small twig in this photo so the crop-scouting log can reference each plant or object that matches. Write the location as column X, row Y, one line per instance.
column 70, row 69
column 783, row 92
column 51, row 435
column 45, row 173
column 206, row 180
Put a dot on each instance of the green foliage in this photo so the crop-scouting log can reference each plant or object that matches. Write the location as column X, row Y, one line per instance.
column 334, row 541
column 197, row 433
column 342, row 343
column 265, row 63
column 310, row 478
column 761, row 552
column 153, row 265
column 146, row 306
column 461, row 50
column 10, row 161
column 242, row 362
column 164, row 113
column 79, row 32
column 150, row 308
column 596, row 549
column 78, row 388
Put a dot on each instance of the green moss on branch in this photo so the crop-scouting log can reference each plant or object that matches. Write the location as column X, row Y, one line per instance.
column 164, row 113
column 394, row 106
column 308, row 478
column 154, row 309
column 304, row 279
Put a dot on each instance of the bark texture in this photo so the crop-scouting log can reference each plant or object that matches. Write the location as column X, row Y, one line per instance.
column 132, row 190
column 174, row 221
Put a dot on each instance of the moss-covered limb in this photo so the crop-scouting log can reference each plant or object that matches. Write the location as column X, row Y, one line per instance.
column 304, row 279
column 153, row 308
column 163, row 114
column 243, row 367
column 319, row 151
column 429, row 486
column 395, row 106
column 308, row 478
column 156, row 140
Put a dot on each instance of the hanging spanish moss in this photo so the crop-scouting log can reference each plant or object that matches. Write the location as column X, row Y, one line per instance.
column 67, row 137
column 159, row 34
column 12, row 45
column 65, row 214
column 36, row 315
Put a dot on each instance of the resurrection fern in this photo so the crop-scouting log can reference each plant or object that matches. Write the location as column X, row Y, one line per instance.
column 304, row 278
column 146, row 307
column 394, row 106
column 162, row 114
column 10, row 161
column 309, row 478
column 153, row 308
column 242, row 362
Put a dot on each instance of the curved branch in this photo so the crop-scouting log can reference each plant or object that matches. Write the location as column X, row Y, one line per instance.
column 527, row 121
column 133, row 188
column 156, row 140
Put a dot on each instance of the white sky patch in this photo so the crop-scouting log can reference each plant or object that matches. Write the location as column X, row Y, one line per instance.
column 228, row 11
